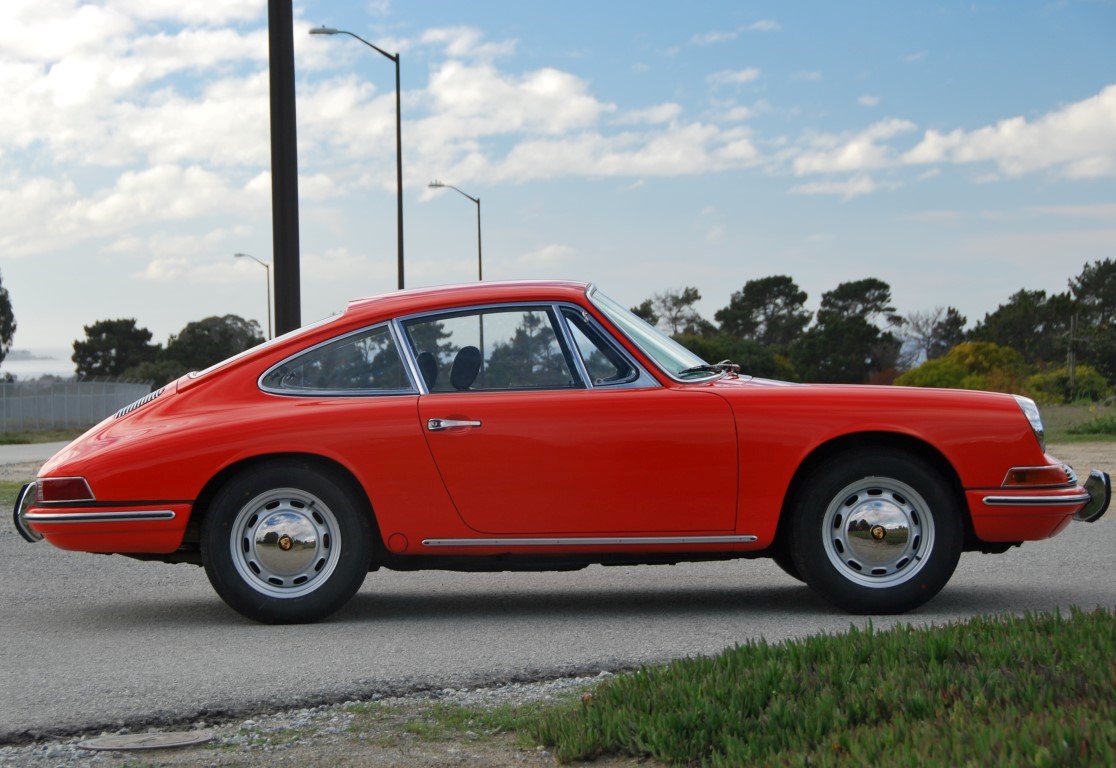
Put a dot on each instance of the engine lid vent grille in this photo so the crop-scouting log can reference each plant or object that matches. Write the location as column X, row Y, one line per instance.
column 139, row 403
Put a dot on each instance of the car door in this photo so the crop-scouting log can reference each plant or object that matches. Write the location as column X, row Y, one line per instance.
column 526, row 445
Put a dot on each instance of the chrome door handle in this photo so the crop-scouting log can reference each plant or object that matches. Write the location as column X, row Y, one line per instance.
column 437, row 425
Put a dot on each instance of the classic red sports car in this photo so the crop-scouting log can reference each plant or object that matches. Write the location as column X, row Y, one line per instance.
column 542, row 426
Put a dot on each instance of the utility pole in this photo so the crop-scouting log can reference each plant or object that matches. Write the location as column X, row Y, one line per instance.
column 284, row 166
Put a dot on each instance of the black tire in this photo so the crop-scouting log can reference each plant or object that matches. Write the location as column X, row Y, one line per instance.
column 284, row 543
column 876, row 531
column 784, row 558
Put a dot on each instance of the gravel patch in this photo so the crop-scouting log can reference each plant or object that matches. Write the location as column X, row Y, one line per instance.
column 374, row 733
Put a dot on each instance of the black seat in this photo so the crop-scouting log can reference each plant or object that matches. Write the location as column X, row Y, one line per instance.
column 428, row 367
column 466, row 366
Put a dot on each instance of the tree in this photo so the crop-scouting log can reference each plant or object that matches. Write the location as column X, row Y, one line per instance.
column 868, row 298
column 646, row 311
column 675, row 313
column 112, row 347
column 845, row 345
column 7, row 322
column 531, row 357
column 930, row 335
column 753, row 358
column 205, row 342
column 1094, row 292
column 1032, row 323
column 769, row 310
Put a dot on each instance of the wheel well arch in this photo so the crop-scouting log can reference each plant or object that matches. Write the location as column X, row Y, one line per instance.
column 869, row 440
column 314, row 461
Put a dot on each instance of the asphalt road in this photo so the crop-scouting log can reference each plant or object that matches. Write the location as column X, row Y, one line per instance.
column 90, row 642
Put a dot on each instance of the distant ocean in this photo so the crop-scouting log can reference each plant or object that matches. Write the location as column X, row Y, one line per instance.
column 27, row 364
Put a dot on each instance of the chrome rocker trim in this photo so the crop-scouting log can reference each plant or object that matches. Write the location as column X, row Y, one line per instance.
column 588, row 542
column 1037, row 501
column 146, row 516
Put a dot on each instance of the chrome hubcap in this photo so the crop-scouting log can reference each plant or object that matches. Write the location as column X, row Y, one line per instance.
column 878, row 532
column 285, row 543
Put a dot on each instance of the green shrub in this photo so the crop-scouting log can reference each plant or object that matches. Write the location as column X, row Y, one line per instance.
column 1032, row 690
column 1053, row 387
column 1100, row 425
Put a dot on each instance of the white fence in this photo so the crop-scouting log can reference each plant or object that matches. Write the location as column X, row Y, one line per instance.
column 33, row 405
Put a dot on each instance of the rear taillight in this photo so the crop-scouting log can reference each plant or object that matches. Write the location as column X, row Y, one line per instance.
column 64, row 490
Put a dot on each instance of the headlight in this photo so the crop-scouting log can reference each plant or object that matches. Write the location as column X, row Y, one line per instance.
column 1031, row 411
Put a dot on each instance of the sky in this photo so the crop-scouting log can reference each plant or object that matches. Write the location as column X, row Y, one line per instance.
column 958, row 151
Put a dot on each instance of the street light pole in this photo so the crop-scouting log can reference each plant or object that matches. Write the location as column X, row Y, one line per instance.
column 267, row 277
column 480, row 261
column 323, row 30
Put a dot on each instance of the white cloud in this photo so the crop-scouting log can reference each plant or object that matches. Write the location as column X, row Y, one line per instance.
column 712, row 38
column 466, row 42
column 1098, row 211
column 1077, row 141
column 863, row 151
column 848, row 189
column 662, row 113
column 733, row 77
column 546, row 255
column 868, row 101
column 481, row 100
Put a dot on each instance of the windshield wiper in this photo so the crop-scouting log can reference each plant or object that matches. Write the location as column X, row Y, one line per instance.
column 725, row 366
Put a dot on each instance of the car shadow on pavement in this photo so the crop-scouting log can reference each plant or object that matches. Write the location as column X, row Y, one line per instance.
column 406, row 606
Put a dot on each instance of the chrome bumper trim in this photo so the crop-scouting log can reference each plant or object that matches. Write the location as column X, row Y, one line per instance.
column 1099, row 486
column 20, row 515
column 588, row 542
column 146, row 516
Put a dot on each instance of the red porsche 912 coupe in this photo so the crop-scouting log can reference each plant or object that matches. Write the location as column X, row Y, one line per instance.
column 542, row 426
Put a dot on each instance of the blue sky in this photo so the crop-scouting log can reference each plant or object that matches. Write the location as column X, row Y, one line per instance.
column 958, row 151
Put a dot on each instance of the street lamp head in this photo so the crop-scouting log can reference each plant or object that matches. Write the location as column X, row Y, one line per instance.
column 324, row 30
column 436, row 184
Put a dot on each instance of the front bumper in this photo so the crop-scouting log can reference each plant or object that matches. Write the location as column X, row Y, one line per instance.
column 23, row 503
column 1031, row 514
column 1099, row 487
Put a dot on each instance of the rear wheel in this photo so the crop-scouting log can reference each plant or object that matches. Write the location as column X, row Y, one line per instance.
column 877, row 532
column 285, row 544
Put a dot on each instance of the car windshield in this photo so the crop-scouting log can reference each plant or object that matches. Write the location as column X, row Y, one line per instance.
column 671, row 356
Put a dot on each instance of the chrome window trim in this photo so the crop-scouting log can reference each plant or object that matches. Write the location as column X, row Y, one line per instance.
column 595, row 541
column 641, row 380
column 449, row 312
column 343, row 392
column 145, row 516
column 644, row 381
column 592, row 289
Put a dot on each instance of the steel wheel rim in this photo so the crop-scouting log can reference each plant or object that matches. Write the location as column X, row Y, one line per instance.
column 285, row 543
column 878, row 532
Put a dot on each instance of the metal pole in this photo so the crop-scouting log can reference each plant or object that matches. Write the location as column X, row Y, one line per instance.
column 324, row 30
column 284, row 166
column 398, row 168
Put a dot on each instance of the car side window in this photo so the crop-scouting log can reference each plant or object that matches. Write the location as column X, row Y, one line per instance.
column 513, row 348
column 604, row 364
column 360, row 363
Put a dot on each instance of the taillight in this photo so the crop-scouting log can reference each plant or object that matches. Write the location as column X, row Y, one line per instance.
column 64, row 490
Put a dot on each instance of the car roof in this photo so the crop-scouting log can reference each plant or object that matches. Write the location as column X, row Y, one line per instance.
column 417, row 300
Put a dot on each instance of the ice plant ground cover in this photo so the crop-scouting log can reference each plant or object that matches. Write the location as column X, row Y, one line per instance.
column 1037, row 689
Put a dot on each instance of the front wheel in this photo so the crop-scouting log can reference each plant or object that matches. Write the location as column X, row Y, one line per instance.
column 878, row 532
column 284, row 544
